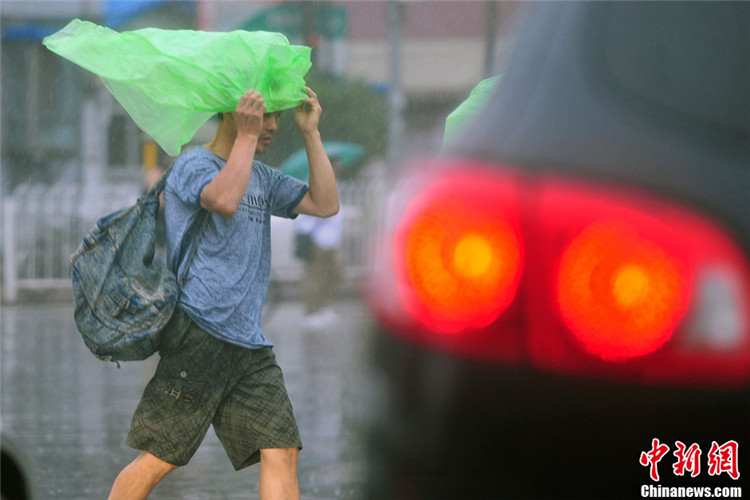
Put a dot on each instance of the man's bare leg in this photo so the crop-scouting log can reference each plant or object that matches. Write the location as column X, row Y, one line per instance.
column 278, row 474
column 136, row 481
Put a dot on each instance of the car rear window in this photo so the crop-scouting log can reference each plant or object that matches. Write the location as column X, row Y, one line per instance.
column 691, row 57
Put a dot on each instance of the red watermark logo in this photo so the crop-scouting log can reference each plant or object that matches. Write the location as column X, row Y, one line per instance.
column 720, row 459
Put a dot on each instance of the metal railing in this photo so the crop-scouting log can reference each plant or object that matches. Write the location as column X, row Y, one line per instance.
column 43, row 225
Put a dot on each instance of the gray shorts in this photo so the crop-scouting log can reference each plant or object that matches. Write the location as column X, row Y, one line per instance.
column 202, row 380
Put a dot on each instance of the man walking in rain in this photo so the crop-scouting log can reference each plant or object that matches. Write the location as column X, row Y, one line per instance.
column 216, row 365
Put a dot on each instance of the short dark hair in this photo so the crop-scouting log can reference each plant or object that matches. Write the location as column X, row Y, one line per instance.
column 220, row 116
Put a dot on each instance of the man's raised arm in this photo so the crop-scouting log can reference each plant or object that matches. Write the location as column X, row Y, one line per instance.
column 322, row 199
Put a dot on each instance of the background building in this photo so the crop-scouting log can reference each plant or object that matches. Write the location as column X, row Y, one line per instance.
column 59, row 123
column 69, row 153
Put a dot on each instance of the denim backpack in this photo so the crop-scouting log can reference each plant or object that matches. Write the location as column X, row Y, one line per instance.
column 123, row 299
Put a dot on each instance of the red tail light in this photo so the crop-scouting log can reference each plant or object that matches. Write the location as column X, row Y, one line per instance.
column 577, row 278
column 458, row 254
column 620, row 293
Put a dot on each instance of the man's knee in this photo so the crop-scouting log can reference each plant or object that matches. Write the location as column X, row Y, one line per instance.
column 140, row 477
column 153, row 465
column 279, row 457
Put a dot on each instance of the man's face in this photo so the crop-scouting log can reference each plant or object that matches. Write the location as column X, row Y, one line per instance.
column 269, row 127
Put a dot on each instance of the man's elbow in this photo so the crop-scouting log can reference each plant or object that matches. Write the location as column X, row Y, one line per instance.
column 329, row 210
column 225, row 209
column 322, row 211
column 333, row 210
column 318, row 206
column 226, row 212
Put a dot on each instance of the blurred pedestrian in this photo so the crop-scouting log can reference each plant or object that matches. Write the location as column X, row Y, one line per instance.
column 216, row 366
column 322, row 266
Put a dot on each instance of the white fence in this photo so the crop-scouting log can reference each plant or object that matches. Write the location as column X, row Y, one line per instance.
column 43, row 225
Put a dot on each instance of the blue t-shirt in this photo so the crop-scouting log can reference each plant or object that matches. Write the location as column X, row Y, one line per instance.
column 226, row 284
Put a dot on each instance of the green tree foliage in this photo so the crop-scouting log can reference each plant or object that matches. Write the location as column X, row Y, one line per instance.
column 352, row 112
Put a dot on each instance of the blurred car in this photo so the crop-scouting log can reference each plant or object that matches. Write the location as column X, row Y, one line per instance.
column 15, row 482
column 562, row 298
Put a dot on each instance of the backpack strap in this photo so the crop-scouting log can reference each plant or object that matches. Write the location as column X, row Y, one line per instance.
column 156, row 190
column 158, row 186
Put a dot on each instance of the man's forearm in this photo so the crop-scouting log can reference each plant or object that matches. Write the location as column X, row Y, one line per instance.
column 322, row 181
column 224, row 193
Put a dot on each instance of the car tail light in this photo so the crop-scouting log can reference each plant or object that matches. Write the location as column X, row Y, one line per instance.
column 458, row 254
column 620, row 293
column 580, row 278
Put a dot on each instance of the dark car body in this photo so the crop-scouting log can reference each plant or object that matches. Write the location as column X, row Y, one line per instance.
column 637, row 111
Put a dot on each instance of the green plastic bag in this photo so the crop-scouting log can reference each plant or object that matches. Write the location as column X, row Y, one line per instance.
column 469, row 108
column 172, row 81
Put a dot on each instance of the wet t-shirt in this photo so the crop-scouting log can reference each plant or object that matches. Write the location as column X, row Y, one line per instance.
column 226, row 283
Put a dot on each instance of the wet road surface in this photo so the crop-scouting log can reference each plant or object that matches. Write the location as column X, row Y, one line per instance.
column 69, row 413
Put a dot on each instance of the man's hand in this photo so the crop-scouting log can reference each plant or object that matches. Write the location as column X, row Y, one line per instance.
column 248, row 115
column 307, row 114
